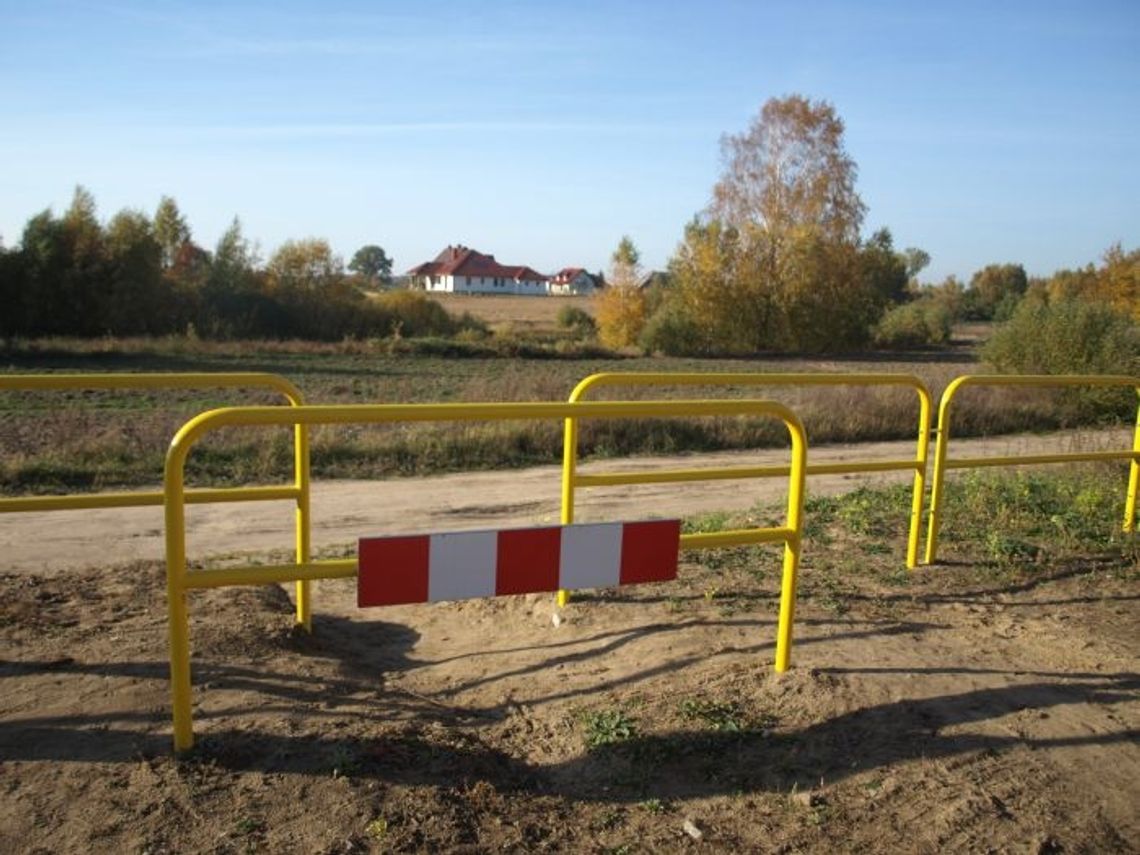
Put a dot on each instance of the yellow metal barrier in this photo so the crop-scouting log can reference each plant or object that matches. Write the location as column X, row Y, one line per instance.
column 942, row 463
column 571, row 479
column 180, row 580
column 299, row 491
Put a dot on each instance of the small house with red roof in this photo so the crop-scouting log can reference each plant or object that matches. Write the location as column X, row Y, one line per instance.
column 572, row 280
column 461, row 270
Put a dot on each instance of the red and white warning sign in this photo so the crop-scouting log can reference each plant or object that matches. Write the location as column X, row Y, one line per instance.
column 465, row 564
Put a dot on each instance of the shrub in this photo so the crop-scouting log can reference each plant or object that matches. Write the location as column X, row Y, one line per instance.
column 921, row 322
column 672, row 332
column 578, row 320
column 1070, row 336
column 415, row 314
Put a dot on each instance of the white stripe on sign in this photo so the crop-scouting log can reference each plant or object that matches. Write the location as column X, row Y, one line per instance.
column 462, row 565
column 591, row 555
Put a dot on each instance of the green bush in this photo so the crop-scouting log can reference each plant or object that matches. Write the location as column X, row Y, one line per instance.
column 1070, row 336
column 578, row 320
column 672, row 332
column 914, row 324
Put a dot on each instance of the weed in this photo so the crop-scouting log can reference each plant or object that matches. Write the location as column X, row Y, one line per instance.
column 608, row 727
column 721, row 716
column 874, row 512
column 609, row 820
column 377, row 829
column 705, row 523
column 248, row 826
column 654, row 806
column 345, row 762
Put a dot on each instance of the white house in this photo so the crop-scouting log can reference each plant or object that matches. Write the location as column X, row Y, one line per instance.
column 462, row 270
column 572, row 280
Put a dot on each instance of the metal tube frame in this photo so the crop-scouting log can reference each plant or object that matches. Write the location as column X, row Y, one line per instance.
column 571, row 479
column 298, row 492
column 942, row 463
column 180, row 580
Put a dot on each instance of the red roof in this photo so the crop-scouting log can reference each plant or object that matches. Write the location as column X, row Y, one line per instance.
column 464, row 261
column 567, row 274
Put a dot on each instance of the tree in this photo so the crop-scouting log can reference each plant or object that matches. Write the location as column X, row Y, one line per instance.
column 371, row 262
column 994, row 286
column 170, row 230
column 620, row 309
column 777, row 255
column 916, row 261
column 788, row 172
column 304, row 265
column 138, row 302
column 1118, row 282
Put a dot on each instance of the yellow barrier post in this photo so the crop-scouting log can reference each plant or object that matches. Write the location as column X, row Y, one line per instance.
column 180, row 580
column 571, row 479
column 299, row 492
column 942, row 463
column 1133, row 479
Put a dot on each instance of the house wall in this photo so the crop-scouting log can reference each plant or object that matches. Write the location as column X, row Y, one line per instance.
column 580, row 284
column 483, row 285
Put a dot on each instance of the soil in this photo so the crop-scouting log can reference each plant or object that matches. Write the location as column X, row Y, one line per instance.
column 949, row 711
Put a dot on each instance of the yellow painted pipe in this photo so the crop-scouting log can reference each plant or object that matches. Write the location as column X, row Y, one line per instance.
column 942, row 463
column 179, row 579
column 570, row 478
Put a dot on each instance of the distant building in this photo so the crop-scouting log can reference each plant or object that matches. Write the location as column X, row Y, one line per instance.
column 572, row 280
column 655, row 279
column 461, row 270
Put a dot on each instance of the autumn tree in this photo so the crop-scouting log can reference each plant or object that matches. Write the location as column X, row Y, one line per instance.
column 1118, row 282
column 620, row 311
column 308, row 264
column 994, row 291
column 776, row 261
column 789, row 172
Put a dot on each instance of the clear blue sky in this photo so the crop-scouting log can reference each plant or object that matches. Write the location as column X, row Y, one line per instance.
column 544, row 131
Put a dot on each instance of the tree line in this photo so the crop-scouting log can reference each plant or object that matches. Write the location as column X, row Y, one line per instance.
column 73, row 275
column 776, row 262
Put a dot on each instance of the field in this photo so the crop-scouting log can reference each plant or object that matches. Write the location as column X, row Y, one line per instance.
column 534, row 315
column 990, row 703
column 62, row 442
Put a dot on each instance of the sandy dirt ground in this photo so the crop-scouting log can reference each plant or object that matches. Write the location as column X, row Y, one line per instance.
column 952, row 711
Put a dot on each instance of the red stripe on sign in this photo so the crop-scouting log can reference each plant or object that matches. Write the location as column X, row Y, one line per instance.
column 528, row 561
column 649, row 551
column 392, row 570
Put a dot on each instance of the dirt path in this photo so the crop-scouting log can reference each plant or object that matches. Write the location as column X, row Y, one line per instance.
column 346, row 510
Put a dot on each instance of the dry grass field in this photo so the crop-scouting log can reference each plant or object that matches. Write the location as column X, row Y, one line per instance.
column 524, row 314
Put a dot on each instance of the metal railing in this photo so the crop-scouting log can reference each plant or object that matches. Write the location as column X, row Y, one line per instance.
column 942, row 462
column 180, row 579
column 571, row 478
column 298, row 492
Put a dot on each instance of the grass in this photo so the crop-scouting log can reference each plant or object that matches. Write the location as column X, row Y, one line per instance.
column 75, row 441
column 999, row 521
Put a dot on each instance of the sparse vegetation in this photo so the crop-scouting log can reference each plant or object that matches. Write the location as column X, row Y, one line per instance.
column 608, row 727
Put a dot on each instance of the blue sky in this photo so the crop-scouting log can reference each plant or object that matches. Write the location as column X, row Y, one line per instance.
column 544, row 131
